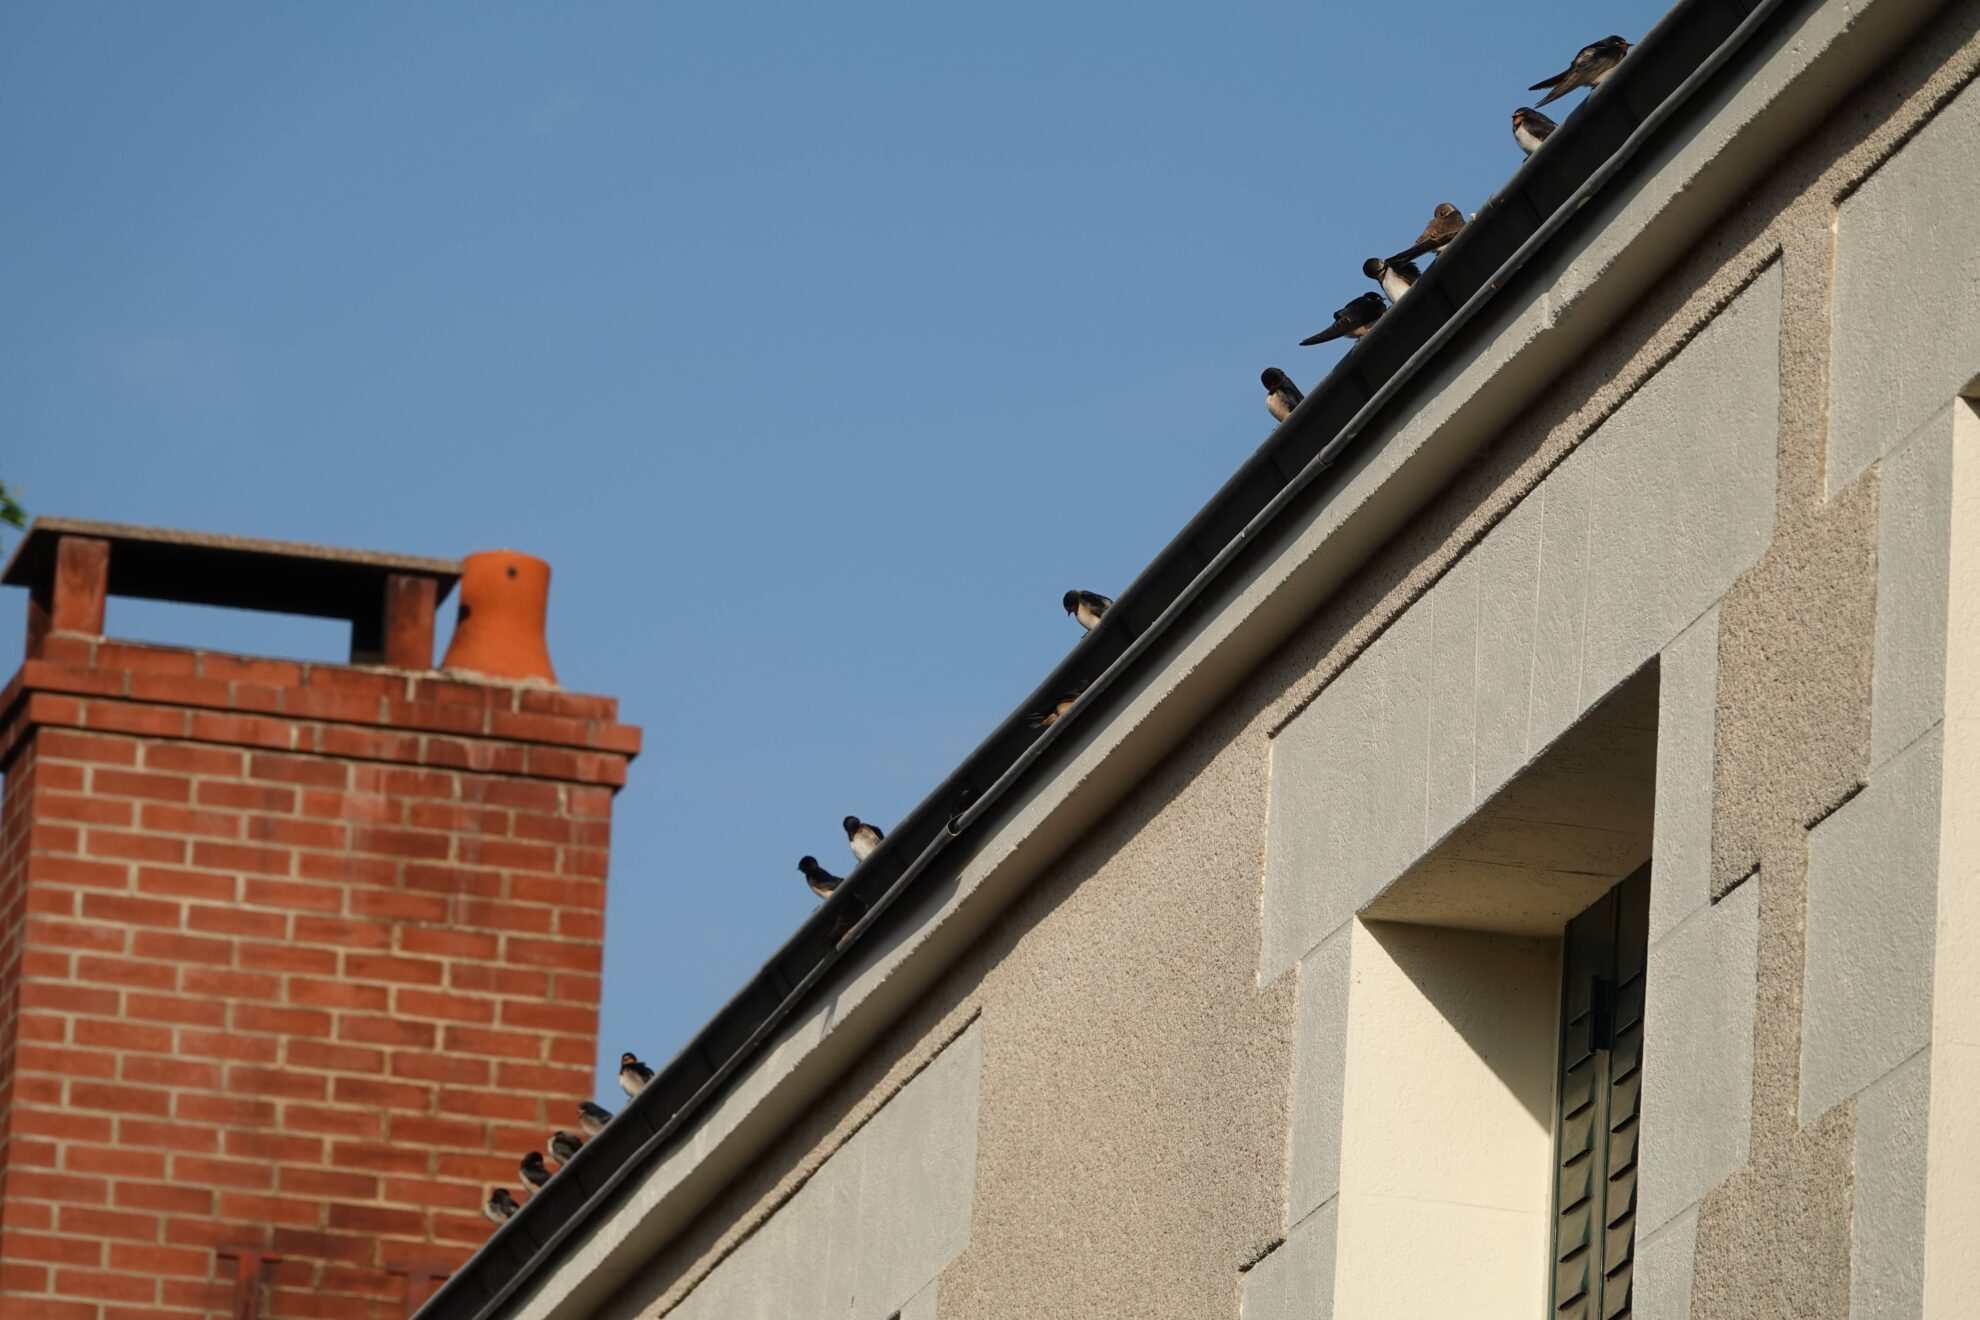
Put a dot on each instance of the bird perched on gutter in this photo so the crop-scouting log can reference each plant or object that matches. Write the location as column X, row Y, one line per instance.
column 1087, row 607
column 1352, row 320
column 1531, row 128
column 532, row 1169
column 1445, row 222
column 964, row 801
column 823, row 883
column 593, row 1118
column 863, row 837
column 499, row 1206
column 1591, row 65
column 564, row 1145
column 1395, row 277
column 633, row 1075
column 1045, row 719
column 1281, row 395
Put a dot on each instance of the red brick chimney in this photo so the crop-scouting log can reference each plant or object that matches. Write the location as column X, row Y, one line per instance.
column 295, row 959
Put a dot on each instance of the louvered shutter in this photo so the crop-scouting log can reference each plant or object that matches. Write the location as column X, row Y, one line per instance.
column 1604, row 952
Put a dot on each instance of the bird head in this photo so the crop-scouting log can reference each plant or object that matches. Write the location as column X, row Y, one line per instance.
column 1071, row 601
column 628, row 1060
column 1616, row 44
column 1374, row 268
column 1519, row 115
column 1445, row 210
column 807, row 864
column 1274, row 379
column 852, row 825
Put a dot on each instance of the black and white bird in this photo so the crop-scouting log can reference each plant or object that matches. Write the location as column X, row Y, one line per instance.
column 1531, row 128
column 1045, row 719
column 633, row 1075
column 1445, row 222
column 499, row 1206
column 532, row 1169
column 1087, row 607
column 564, row 1146
column 593, row 1118
column 1281, row 395
column 1591, row 65
column 863, row 837
column 1351, row 321
column 823, row 883
column 1395, row 277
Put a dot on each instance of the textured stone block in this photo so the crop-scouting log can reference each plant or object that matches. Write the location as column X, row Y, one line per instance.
column 1687, row 703
column 1660, row 1288
column 1904, row 339
column 1319, row 1067
column 1872, row 906
column 1887, row 1213
column 1698, row 1055
column 1914, row 545
column 1296, row 1282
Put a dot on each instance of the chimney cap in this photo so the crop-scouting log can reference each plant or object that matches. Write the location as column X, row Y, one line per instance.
column 242, row 572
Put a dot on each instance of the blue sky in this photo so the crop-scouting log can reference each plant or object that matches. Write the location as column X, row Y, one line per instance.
column 820, row 348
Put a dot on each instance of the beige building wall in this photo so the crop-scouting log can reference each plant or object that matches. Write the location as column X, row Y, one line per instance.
column 1761, row 489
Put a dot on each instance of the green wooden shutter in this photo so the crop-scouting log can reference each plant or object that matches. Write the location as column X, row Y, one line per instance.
column 1601, row 1081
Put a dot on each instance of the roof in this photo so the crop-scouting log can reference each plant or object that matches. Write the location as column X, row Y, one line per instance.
column 1671, row 78
column 204, row 568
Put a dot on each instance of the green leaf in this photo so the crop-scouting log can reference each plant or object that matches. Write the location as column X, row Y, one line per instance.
column 11, row 512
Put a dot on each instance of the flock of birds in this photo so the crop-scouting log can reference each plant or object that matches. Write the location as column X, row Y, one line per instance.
column 564, row 1145
column 635, row 1076
column 1395, row 276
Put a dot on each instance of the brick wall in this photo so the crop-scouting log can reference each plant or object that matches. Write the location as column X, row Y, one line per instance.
column 295, row 961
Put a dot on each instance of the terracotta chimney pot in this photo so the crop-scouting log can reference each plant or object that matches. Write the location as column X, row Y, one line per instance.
column 505, row 595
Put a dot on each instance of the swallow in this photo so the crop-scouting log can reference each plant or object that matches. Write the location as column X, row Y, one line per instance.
column 532, row 1169
column 1444, row 224
column 1395, row 277
column 823, row 883
column 1352, row 320
column 564, row 1145
column 1087, row 607
column 633, row 1075
column 1531, row 128
column 593, row 1118
column 1045, row 719
column 499, row 1206
column 964, row 800
column 849, row 914
column 1591, row 65
column 1281, row 395
column 863, row 837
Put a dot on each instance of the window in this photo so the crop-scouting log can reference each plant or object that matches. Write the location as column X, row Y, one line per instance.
column 1603, row 954
column 1489, row 1050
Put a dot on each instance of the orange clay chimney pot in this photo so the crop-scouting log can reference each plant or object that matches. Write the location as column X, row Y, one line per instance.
column 499, row 632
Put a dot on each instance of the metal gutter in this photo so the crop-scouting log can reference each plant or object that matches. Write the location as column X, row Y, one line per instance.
column 1695, row 42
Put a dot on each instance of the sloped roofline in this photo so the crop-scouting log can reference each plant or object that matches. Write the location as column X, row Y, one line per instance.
column 1570, row 242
